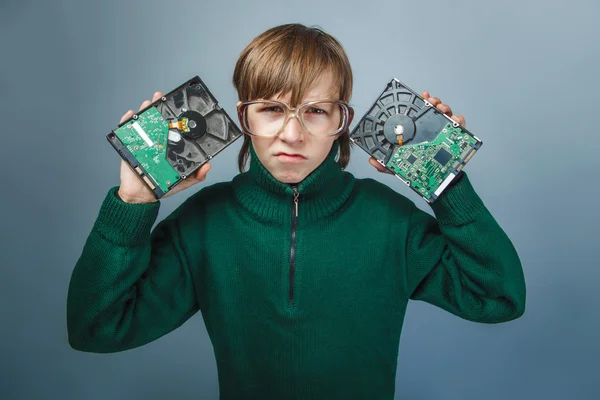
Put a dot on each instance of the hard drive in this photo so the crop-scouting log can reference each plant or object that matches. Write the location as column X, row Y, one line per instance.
column 170, row 139
column 414, row 140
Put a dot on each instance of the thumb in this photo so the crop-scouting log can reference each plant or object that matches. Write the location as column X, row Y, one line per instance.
column 200, row 174
column 378, row 166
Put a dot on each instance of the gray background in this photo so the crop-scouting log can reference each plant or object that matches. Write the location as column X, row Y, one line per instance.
column 523, row 73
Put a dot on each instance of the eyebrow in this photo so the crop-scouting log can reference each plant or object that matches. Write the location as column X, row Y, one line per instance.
column 328, row 95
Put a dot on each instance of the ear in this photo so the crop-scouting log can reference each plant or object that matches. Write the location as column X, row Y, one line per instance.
column 350, row 118
column 237, row 107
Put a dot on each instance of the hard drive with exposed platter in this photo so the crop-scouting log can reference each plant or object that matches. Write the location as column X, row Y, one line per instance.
column 414, row 140
column 170, row 139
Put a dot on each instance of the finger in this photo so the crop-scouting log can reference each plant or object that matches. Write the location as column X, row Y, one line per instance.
column 434, row 101
column 378, row 166
column 157, row 95
column 460, row 119
column 445, row 108
column 425, row 94
column 126, row 116
column 202, row 171
column 145, row 104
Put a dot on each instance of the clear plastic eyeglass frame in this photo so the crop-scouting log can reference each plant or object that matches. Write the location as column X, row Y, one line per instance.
column 294, row 112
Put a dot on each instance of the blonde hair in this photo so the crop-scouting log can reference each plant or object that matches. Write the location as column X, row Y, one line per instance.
column 288, row 59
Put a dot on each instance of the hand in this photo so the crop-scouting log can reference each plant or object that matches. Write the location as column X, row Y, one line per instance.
column 133, row 190
column 436, row 102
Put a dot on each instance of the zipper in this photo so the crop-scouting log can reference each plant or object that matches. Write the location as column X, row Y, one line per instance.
column 293, row 243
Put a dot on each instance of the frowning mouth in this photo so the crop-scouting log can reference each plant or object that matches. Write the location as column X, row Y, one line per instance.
column 289, row 157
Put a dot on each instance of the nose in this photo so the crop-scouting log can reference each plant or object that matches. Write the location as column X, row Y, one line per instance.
column 292, row 131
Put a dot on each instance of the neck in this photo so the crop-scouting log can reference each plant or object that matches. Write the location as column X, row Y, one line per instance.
column 321, row 193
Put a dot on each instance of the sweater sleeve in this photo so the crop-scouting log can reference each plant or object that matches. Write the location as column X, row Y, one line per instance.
column 130, row 286
column 462, row 261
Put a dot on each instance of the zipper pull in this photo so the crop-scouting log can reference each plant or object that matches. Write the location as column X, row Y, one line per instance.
column 296, row 195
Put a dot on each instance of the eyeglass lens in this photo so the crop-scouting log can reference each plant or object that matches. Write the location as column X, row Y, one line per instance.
column 267, row 119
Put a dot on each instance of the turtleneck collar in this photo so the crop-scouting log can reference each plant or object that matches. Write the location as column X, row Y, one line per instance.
column 321, row 193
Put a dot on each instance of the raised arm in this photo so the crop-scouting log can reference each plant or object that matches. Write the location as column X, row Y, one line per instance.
column 462, row 261
column 130, row 286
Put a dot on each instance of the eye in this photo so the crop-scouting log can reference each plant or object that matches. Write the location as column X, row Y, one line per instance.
column 273, row 109
column 315, row 110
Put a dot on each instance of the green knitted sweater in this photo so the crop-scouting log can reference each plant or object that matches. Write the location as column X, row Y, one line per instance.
column 297, row 306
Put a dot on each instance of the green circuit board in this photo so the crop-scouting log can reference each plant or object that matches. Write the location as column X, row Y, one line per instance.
column 146, row 139
column 426, row 164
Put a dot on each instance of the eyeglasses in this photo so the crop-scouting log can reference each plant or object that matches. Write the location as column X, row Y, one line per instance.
column 318, row 118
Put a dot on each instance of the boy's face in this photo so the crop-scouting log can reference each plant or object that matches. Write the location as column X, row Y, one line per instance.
column 294, row 154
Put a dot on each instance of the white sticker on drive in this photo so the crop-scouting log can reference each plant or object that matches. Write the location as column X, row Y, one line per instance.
column 445, row 183
column 174, row 136
column 142, row 134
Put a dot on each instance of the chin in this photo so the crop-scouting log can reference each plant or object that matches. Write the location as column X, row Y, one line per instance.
column 288, row 177
column 290, row 180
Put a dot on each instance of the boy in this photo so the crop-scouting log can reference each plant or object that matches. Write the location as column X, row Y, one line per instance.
column 302, row 272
